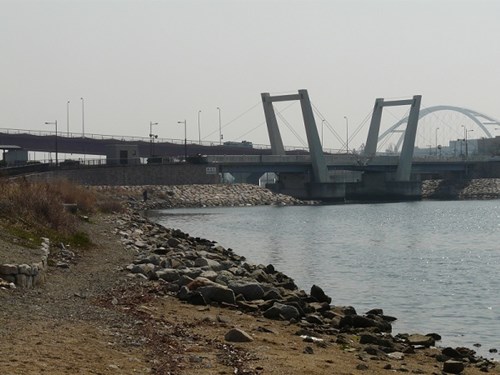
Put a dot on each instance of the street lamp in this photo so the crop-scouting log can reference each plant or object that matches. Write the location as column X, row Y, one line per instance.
column 152, row 138
column 54, row 123
column 322, row 123
column 67, row 118
column 199, row 129
column 220, row 128
column 465, row 140
column 83, row 117
column 346, row 134
column 83, row 127
column 437, row 141
column 185, row 138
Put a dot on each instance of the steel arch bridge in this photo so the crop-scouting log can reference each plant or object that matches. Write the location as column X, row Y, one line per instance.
column 473, row 115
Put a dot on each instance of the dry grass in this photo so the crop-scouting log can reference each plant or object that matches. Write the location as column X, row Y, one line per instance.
column 39, row 205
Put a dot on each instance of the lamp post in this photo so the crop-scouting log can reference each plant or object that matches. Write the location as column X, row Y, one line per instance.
column 322, row 140
column 83, row 127
column 220, row 128
column 346, row 134
column 185, row 138
column 67, row 118
column 57, row 154
column 199, row 128
column 152, row 138
column 83, row 117
column 437, row 141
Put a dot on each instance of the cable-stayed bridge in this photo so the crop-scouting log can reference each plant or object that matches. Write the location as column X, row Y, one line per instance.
column 312, row 173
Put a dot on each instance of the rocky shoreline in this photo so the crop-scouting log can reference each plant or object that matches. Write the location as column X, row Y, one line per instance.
column 238, row 195
column 184, row 196
column 202, row 273
column 475, row 189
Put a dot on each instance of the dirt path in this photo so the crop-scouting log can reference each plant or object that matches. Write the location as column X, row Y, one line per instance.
column 93, row 319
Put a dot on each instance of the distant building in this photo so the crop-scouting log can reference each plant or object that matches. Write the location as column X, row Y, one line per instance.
column 120, row 154
column 14, row 155
column 489, row 146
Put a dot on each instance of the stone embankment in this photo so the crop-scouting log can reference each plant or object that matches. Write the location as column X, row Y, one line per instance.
column 485, row 188
column 201, row 272
column 26, row 275
column 227, row 195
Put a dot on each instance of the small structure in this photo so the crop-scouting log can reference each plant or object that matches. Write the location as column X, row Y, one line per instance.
column 121, row 154
column 13, row 155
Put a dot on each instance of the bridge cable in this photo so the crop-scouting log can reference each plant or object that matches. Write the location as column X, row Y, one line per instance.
column 290, row 127
column 233, row 120
column 263, row 122
column 381, row 144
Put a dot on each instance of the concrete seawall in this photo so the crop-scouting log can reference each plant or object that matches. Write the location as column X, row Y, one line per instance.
column 133, row 175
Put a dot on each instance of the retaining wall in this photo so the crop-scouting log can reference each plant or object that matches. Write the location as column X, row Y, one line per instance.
column 27, row 275
column 131, row 175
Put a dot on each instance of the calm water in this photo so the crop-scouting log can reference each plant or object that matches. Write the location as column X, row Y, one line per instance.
column 434, row 265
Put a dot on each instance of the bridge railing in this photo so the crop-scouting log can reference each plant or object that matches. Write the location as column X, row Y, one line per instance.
column 146, row 139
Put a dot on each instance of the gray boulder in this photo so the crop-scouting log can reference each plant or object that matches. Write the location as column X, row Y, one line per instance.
column 168, row 274
column 417, row 339
column 237, row 335
column 210, row 263
column 217, row 293
column 251, row 291
column 319, row 295
column 453, row 367
column 281, row 311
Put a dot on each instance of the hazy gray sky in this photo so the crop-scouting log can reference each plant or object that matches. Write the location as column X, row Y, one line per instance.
column 139, row 61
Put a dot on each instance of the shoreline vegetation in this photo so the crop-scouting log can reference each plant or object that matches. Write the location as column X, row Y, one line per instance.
column 201, row 308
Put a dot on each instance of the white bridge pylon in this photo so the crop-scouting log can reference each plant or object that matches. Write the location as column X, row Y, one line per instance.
column 473, row 115
column 403, row 172
column 318, row 162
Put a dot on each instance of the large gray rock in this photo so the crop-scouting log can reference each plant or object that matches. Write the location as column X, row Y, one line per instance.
column 224, row 277
column 217, row 293
column 8, row 269
column 153, row 259
column 358, row 321
column 251, row 291
column 417, row 339
column 281, row 311
column 319, row 295
column 210, row 263
column 237, row 335
column 173, row 242
column 453, row 367
column 272, row 294
column 168, row 274
column 25, row 269
column 145, row 269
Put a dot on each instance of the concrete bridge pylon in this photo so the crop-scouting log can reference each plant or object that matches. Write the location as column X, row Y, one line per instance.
column 403, row 172
column 320, row 171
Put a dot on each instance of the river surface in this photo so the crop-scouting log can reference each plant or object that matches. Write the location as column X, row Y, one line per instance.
column 433, row 265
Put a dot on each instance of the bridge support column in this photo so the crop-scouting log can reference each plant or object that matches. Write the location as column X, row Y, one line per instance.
column 403, row 172
column 277, row 147
column 404, row 167
column 315, row 149
column 317, row 157
column 372, row 140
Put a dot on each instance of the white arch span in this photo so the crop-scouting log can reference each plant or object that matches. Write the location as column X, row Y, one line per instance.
column 473, row 115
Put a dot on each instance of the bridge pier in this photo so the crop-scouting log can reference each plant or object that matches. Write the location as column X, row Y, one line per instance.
column 382, row 187
column 300, row 186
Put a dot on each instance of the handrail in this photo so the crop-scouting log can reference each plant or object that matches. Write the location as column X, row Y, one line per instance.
column 125, row 138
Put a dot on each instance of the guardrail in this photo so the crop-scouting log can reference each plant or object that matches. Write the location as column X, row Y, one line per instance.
column 125, row 138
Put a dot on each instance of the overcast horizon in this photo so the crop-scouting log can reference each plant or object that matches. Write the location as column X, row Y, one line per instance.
column 135, row 62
